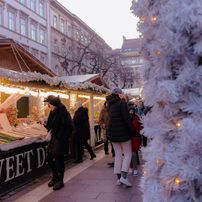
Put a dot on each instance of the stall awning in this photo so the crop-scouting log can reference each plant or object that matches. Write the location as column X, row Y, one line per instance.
column 91, row 78
column 14, row 57
column 30, row 77
column 133, row 91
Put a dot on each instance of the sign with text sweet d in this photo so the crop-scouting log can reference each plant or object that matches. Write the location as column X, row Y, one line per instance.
column 22, row 164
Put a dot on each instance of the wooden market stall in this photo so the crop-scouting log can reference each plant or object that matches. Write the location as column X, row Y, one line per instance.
column 20, row 158
column 24, row 83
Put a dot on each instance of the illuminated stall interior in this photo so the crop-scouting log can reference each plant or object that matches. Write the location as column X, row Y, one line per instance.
column 24, row 102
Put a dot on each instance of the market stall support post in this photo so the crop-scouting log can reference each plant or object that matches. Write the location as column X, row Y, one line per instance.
column 92, row 121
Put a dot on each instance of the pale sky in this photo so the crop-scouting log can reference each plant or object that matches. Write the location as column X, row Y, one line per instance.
column 111, row 19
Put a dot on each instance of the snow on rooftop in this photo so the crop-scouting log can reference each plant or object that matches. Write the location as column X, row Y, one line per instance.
column 79, row 78
column 133, row 91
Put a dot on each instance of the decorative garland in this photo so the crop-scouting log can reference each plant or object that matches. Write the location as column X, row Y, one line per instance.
column 52, row 81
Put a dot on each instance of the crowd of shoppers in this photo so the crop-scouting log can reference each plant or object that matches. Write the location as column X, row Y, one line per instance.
column 120, row 124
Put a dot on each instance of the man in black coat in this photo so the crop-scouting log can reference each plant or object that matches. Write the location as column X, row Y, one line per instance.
column 60, row 126
column 82, row 132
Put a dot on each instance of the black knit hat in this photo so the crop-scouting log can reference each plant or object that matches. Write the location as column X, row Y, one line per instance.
column 53, row 100
column 49, row 98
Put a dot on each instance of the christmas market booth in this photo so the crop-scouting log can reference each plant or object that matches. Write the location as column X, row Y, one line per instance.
column 24, row 83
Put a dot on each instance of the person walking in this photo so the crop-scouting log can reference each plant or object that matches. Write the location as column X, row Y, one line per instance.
column 82, row 132
column 120, row 134
column 104, row 122
column 60, row 126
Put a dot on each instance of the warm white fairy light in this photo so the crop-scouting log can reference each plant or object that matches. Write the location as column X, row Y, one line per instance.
column 73, row 99
column 158, row 52
column 11, row 90
column 158, row 161
column 46, row 94
column 142, row 18
column 177, row 181
column 99, row 98
column 153, row 19
column 178, row 125
column 27, row 91
column 145, row 172
column 84, row 96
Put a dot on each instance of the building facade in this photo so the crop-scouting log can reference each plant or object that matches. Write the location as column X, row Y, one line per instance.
column 130, row 63
column 50, row 32
column 26, row 22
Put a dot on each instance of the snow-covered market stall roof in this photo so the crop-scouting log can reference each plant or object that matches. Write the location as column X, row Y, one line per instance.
column 14, row 57
column 30, row 77
column 133, row 91
column 91, row 78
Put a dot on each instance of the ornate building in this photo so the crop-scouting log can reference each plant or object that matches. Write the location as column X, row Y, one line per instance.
column 53, row 34
column 130, row 63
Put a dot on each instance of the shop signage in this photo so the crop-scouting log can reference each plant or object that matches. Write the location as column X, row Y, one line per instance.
column 22, row 164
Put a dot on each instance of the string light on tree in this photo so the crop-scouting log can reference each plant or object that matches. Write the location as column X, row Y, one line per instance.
column 178, row 125
column 153, row 19
column 177, row 181
column 158, row 53
column 142, row 19
column 159, row 161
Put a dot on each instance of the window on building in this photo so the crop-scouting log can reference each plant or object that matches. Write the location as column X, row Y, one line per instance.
column 23, row 26
column 55, row 21
column 41, row 8
column 33, row 5
column 33, row 32
column 69, row 29
column 1, row 15
column 62, row 26
column 23, row 1
column 11, row 20
column 42, row 36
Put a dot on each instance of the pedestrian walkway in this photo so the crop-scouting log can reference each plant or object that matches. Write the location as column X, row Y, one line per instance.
column 90, row 181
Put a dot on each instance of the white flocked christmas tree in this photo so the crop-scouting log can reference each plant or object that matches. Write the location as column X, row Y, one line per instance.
column 172, row 48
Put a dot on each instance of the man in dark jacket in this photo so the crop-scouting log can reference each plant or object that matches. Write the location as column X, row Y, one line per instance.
column 82, row 132
column 60, row 126
column 120, row 134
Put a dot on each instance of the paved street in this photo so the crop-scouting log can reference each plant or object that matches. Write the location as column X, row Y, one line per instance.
column 91, row 181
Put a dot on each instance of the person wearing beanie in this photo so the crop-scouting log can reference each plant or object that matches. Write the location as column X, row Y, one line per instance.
column 116, row 91
column 60, row 126
column 120, row 133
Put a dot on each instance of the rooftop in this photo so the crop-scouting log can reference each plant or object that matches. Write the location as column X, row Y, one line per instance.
column 132, row 44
